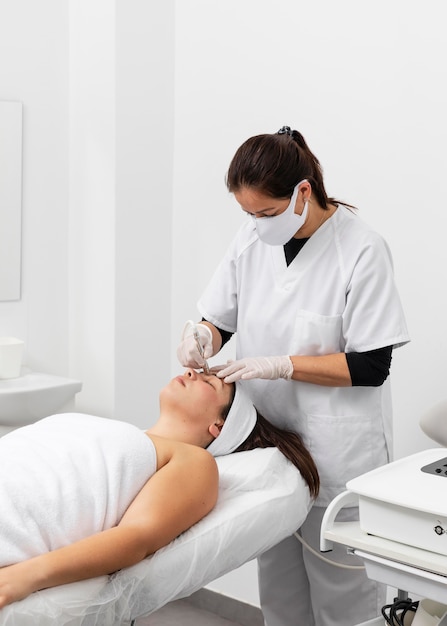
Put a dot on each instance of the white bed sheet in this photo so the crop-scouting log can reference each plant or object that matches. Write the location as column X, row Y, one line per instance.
column 262, row 499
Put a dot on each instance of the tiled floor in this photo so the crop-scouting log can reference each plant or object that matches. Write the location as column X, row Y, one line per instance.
column 182, row 613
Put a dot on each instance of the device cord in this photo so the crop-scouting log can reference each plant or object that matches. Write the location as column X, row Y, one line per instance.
column 322, row 558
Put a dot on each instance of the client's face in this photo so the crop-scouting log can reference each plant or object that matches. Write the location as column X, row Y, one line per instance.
column 198, row 396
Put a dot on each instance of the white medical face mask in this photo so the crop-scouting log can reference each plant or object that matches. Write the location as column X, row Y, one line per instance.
column 279, row 229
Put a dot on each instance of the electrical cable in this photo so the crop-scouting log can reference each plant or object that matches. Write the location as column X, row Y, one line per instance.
column 322, row 558
column 396, row 611
column 394, row 614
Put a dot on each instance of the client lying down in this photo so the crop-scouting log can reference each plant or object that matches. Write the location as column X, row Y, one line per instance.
column 121, row 493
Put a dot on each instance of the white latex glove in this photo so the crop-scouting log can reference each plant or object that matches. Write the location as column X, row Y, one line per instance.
column 187, row 352
column 270, row 367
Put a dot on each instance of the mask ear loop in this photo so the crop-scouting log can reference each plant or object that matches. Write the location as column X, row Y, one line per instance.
column 306, row 202
column 305, row 208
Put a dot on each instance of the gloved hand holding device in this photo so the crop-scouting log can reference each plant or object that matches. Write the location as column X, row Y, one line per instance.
column 268, row 367
column 188, row 352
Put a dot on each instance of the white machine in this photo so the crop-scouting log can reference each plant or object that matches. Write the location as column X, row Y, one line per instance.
column 402, row 532
column 406, row 501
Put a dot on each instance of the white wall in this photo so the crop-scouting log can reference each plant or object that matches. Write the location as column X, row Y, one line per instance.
column 96, row 81
column 121, row 151
column 33, row 70
column 365, row 82
column 125, row 212
column 92, row 202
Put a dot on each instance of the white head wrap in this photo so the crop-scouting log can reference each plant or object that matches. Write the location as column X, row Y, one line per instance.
column 239, row 423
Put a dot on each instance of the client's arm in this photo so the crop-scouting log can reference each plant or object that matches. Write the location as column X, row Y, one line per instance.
column 181, row 492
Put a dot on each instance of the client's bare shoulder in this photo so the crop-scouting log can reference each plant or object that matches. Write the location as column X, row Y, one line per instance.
column 190, row 472
column 180, row 493
column 169, row 450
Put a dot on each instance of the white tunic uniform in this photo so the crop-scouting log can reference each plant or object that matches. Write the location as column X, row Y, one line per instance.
column 338, row 295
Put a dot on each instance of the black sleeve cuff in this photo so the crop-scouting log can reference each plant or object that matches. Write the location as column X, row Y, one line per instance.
column 369, row 369
column 225, row 334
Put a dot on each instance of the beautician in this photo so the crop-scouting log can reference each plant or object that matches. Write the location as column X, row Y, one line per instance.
column 309, row 288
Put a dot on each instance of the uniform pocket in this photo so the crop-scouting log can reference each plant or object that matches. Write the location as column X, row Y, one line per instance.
column 317, row 334
column 345, row 446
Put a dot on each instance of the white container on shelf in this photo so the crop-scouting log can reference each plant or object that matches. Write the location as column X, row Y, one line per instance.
column 11, row 353
column 429, row 613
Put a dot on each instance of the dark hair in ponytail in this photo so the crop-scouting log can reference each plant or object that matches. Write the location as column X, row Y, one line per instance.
column 266, row 435
column 275, row 163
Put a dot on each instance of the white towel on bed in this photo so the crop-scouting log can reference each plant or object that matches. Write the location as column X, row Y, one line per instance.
column 67, row 477
column 262, row 499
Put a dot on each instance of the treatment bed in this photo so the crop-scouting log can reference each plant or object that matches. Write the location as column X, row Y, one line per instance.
column 262, row 499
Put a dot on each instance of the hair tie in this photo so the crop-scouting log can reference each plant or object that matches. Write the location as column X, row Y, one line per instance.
column 285, row 130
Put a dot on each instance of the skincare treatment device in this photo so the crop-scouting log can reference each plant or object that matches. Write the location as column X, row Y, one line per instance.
column 406, row 501
column 401, row 535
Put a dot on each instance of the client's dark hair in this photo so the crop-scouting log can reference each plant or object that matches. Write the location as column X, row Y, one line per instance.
column 266, row 435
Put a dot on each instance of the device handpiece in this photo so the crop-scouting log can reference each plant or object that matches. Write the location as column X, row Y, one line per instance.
column 206, row 368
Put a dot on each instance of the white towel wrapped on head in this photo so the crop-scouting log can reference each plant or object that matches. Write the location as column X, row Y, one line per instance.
column 66, row 477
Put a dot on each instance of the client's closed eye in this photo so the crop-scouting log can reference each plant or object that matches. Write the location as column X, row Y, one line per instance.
column 212, row 380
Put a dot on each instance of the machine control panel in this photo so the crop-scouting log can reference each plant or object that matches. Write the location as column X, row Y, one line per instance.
column 438, row 468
